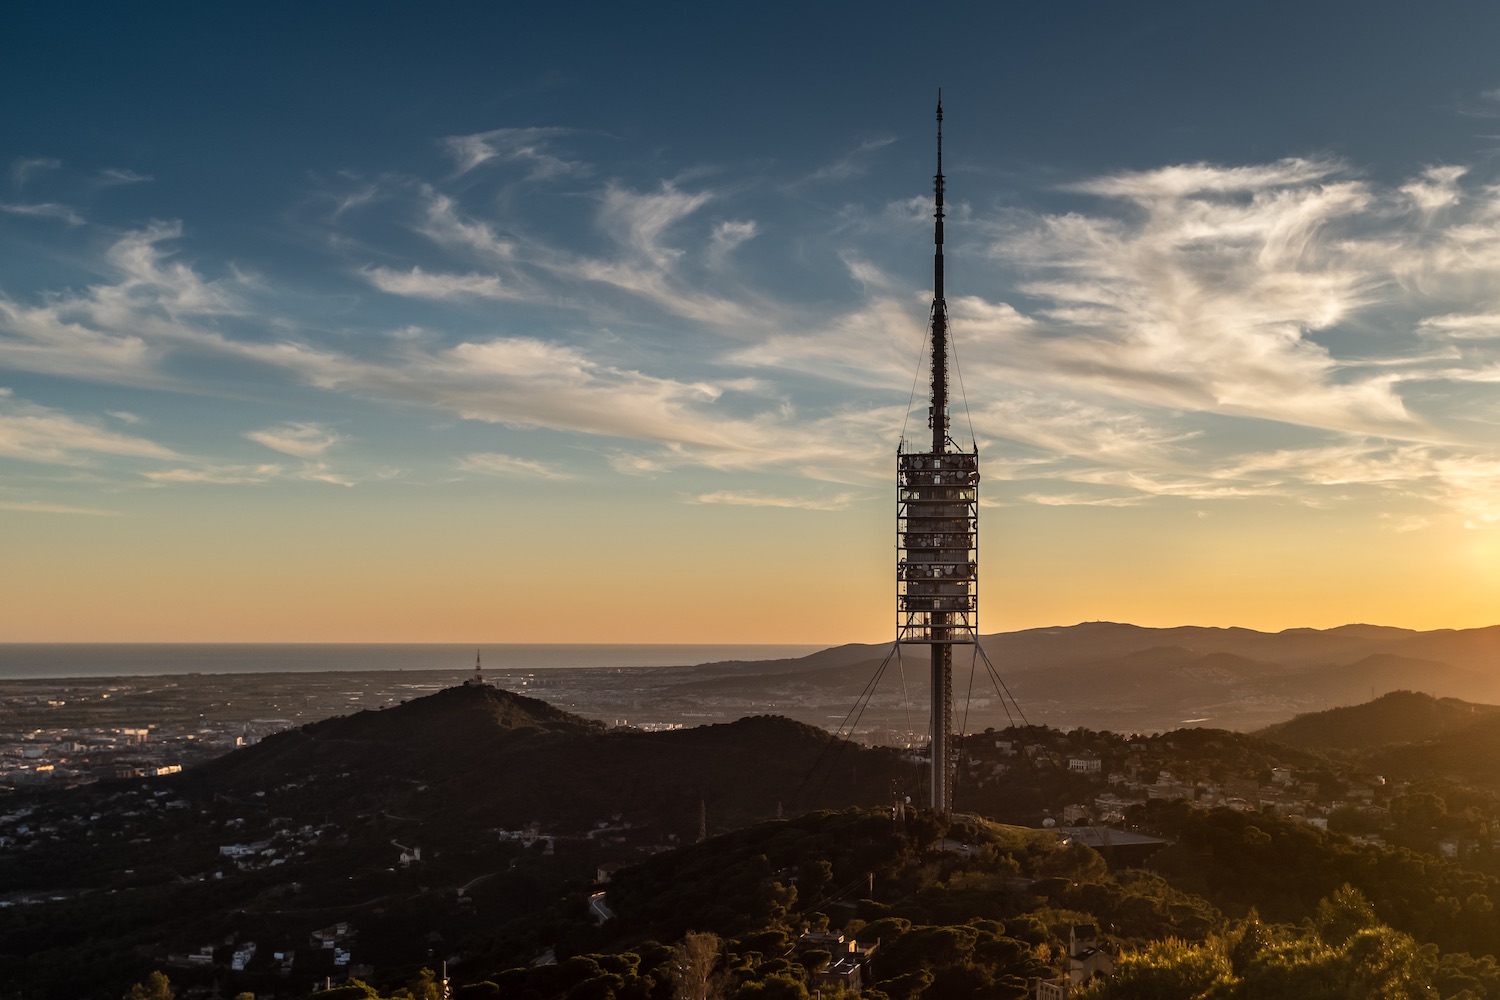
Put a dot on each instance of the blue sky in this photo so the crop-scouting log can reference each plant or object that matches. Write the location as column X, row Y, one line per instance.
column 588, row 323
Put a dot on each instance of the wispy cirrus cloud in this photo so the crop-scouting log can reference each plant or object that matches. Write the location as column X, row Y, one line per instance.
column 1083, row 500
column 735, row 498
column 221, row 475
column 495, row 464
column 1437, row 188
column 648, row 265
column 726, row 238
column 447, row 227
column 300, row 440
column 218, row 474
column 419, row 284
column 43, row 210
column 855, row 163
column 1204, row 297
column 42, row 434
column 119, row 331
column 158, row 309
column 643, row 261
column 42, row 507
column 1457, row 326
column 531, row 147
column 116, row 176
column 1125, row 348
column 23, row 168
column 1483, row 104
column 1466, row 481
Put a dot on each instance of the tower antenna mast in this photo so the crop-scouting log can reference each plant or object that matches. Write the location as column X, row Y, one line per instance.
column 937, row 531
column 937, row 417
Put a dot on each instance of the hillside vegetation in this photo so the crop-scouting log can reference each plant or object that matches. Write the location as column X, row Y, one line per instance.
column 472, row 826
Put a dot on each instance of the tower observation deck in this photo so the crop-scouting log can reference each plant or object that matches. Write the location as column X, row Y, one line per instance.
column 937, row 532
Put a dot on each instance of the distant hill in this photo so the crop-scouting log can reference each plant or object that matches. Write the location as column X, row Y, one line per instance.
column 480, row 755
column 1470, row 649
column 1397, row 717
column 1466, row 754
column 1129, row 677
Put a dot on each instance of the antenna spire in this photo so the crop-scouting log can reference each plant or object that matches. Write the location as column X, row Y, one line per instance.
column 937, row 417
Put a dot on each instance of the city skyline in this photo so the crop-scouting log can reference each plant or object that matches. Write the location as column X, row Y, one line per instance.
column 597, row 325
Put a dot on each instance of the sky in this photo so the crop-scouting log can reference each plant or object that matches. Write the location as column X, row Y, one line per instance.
column 593, row 322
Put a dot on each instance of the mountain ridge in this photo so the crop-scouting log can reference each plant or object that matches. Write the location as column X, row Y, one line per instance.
column 1134, row 677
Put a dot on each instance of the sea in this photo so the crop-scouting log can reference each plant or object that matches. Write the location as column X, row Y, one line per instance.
column 25, row 661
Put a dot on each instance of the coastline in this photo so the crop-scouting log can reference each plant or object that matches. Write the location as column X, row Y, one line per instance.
column 41, row 661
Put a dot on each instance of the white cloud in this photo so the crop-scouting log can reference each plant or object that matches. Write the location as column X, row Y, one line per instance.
column 1082, row 500
column 643, row 263
column 43, row 210
column 531, row 147
column 851, row 165
column 119, row 332
column 444, row 226
column 493, row 463
column 646, row 265
column 421, row 284
column 1204, row 299
column 1437, row 188
column 319, row 472
column 876, row 343
column 237, row 475
column 41, row 507
column 23, row 167
column 246, row 475
column 841, row 501
column 1121, row 350
column 1456, row 326
column 301, row 440
column 114, row 176
column 727, row 237
column 1076, row 428
column 1185, row 180
column 40, row 434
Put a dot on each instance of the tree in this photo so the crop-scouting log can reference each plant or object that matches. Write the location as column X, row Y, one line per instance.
column 693, row 964
column 1251, row 940
column 813, row 879
column 425, row 986
column 780, row 986
column 156, row 987
column 1344, row 914
column 1075, row 861
column 1170, row 968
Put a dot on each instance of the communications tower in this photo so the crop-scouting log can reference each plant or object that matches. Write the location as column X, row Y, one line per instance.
column 937, row 532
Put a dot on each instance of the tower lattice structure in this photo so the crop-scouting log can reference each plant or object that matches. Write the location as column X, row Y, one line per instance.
column 937, row 532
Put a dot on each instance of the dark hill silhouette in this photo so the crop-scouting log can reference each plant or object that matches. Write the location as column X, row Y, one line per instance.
column 414, row 739
column 480, row 756
column 1397, row 717
column 1467, row 754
